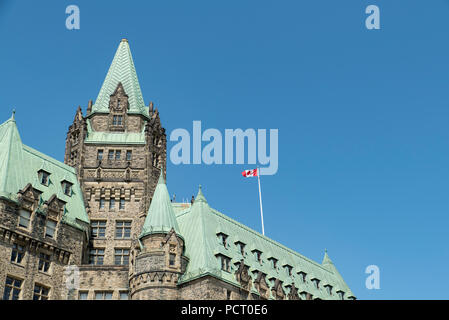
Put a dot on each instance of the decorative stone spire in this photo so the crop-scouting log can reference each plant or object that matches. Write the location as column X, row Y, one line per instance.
column 161, row 217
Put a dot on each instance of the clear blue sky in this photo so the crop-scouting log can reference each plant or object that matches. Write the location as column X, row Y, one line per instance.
column 362, row 115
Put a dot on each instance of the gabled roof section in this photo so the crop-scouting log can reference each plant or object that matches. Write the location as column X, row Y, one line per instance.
column 19, row 166
column 122, row 71
column 200, row 225
column 161, row 217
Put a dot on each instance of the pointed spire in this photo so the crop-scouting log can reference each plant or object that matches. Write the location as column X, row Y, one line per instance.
column 326, row 259
column 11, row 157
column 200, row 196
column 161, row 216
column 122, row 71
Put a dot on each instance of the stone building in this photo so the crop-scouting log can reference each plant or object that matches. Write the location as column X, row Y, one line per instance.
column 103, row 226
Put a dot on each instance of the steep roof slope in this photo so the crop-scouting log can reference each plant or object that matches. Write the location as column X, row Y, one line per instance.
column 160, row 217
column 20, row 164
column 122, row 70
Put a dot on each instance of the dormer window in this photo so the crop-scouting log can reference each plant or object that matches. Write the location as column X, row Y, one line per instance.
column 341, row 294
column 225, row 263
column 118, row 104
column 288, row 269
column 67, row 188
column 223, row 238
column 274, row 262
column 316, row 282
column 302, row 275
column 241, row 247
column 328, row 289
column 258, row 255
column 43, row 177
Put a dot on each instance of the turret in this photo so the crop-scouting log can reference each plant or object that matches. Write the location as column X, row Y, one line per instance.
column 159, row 259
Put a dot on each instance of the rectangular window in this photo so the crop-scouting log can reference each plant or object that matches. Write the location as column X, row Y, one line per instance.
column 172, row 258
column 101, row 203
column 103, row 295
column 83, row 295
column 225, row 263
column 329, row 289
column 241, row 247
column 121, row 257
column 258, row 256
column 288, row 270
column 123, row 295
column 40, row 292
column 123, row 229
column 122, row 204
column 114, row 120
column 13, row 287
column 129, row 155
column 111, row 155
column 43, row 177
column 50, row 228
column 100, row 154
column 44, row 262
column 119, row 120
column 111, row 204
column 24, row 218
column 67, row 187
column 98, row 228
column 17, row 253
column 96, row 256
column 118, row 153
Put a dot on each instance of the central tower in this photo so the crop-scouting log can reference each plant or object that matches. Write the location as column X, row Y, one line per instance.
column 118, row 149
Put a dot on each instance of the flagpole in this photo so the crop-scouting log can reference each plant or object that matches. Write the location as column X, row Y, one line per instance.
column 260, row 200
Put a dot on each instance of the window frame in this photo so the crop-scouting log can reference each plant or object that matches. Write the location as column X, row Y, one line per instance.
column 28, row 219
column 123, row 257
column 40, row 295
column 44, row 263
column 123, row 226
column 46, row 235
column 96, row 253
column 17, row 253
column 12, row 288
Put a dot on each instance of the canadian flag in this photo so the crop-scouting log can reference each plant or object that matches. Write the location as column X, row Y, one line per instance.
column 250, row 173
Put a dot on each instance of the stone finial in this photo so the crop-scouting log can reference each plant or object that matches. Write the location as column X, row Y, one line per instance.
column 151, row 107
column 89, row 107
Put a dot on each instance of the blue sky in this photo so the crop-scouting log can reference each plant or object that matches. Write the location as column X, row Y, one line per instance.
column 362, row 115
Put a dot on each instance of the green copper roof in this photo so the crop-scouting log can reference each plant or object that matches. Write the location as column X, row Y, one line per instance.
column 160, row 217
column 19, row 165
column 121, row 70
column 104, row 137
column 200, row 226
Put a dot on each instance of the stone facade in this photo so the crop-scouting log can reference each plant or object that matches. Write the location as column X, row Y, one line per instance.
column 34, row 259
